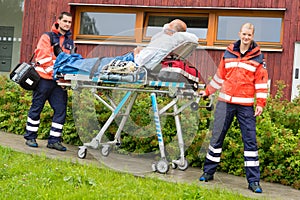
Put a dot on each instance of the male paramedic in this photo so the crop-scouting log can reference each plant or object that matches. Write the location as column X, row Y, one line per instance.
column 241, row 76
column 48, row 89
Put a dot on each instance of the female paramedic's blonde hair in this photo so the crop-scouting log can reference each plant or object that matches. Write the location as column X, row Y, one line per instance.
column 247, row 26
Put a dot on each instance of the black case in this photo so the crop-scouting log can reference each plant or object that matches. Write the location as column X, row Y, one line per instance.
column 25, row 75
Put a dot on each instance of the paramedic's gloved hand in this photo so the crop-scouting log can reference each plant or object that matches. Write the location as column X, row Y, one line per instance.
column 203, row 94
column 57, row 49
column 74, row 50
column 258, row 111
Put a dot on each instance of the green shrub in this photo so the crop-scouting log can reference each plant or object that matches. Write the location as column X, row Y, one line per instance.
column 14, row 106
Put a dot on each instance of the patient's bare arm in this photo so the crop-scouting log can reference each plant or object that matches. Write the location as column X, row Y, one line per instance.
column 137, row 50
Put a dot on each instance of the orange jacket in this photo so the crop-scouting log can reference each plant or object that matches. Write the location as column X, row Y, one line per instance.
column 44, row 55
column 241, row 79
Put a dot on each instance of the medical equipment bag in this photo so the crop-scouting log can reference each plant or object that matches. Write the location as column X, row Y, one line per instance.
column 179, row 71
column 25, row 75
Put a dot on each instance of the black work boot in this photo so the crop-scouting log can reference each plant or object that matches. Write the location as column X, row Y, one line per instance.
column 31, row 143
column 255, row 187
column 57, row 145
column 206, row 177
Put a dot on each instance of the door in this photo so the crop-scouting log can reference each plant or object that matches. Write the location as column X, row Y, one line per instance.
column 296, row 72
column 6, row 47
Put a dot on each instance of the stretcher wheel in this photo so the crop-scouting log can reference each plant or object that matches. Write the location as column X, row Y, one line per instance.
column 209, row 108
column 118, row 144
column 105, row 150
column 153, row 166
column 162, row 166
column 184, row 166
column 194, row 106
column 74, row 85
column 82, row 151
column 174, row 165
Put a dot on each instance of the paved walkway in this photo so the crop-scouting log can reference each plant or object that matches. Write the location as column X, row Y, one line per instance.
column 139, row 167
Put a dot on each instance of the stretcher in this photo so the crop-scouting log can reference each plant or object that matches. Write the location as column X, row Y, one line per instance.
column 143, row 82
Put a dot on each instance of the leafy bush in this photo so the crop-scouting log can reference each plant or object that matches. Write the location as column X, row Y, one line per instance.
column 277, row 130
column 14, row 106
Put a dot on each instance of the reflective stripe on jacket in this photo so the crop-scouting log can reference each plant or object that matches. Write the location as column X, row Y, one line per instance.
column 44, row 55
column 241, row 79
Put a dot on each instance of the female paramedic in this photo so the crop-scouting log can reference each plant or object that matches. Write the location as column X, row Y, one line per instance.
column 241, row 76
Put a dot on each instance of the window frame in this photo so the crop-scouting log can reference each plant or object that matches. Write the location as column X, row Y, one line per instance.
column 142, row 18
column 148, row 14
column 79, row 10
column 267, row 14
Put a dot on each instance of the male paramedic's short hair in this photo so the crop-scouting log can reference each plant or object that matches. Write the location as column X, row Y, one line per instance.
column 64, row 13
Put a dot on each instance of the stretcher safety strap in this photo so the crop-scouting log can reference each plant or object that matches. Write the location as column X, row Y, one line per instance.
column 166, row 84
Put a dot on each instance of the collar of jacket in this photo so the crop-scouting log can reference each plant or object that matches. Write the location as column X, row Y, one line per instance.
column 254, row 49
column 55, row 30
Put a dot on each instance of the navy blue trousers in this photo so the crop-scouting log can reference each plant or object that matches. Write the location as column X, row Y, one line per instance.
column 223, row 118
column 47, row 90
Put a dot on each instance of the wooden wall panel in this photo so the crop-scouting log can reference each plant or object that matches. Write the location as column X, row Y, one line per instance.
column 146, row 2
column 221, row 3
column 273, row 61
column 268, row 3
column 283, row 3
column 38, row 19
column 241, row 3
column 228, row 3
column 298, row 31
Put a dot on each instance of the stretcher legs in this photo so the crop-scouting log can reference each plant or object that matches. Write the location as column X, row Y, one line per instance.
column 106, row 147
column 162, row 165
column 96, row 141
column 181, row 163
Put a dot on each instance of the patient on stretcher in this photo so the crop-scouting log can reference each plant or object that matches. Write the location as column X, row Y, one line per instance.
column 172, row 35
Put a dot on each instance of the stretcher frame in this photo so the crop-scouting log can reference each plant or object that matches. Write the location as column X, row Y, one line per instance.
column 174, row 90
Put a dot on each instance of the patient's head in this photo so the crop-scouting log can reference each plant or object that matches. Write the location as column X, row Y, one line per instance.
column 174, row 26
column 178, row 25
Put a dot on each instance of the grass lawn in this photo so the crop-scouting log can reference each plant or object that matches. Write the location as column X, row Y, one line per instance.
column 26, row 176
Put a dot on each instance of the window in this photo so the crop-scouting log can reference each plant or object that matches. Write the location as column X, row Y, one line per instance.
column 196, row 24
column 107, row 24
column 214, row 28
column 266, row 29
